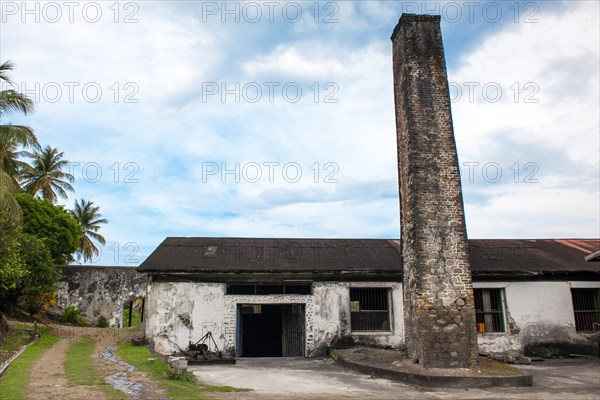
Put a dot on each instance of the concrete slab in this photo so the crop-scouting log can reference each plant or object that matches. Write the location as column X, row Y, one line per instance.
column 320, row 379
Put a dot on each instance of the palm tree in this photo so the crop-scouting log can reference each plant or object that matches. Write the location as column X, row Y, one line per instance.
column 12, row 137
column 11, row 100
column 89, row 219
column 45, row 175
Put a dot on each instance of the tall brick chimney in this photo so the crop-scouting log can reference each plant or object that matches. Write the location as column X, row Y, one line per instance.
column 439, row 314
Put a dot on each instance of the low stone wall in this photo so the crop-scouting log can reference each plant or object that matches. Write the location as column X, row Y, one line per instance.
column 99, row 291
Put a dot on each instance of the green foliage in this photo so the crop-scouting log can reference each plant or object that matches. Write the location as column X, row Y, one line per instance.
column 78, row 365
column 70, row 315
column 179, row 374
column 89, row 218
column 175, row 389
column 45, row 175
column 136, row 315
column 12, row 269
column 13, row 342
column 12, row 139
column 13, row 385
column 42, row 274
column 102, row 322
column 51, row 223
column 27, row 272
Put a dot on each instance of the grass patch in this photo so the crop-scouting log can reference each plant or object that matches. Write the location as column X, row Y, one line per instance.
column 175, row 389
column 13, row 385
column 492, row 367
column 80, row 369
column 13, row 342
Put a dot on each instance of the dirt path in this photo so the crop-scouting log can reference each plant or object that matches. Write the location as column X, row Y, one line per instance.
column 48, row 379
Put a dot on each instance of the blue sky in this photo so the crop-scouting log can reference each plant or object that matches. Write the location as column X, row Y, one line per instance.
column 185, row 119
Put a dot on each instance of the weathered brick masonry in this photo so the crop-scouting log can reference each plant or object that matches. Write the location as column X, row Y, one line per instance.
column 439, row 312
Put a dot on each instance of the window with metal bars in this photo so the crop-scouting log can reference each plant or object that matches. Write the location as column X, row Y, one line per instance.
column 586, row 306
column 489, row 310
column 369, row 309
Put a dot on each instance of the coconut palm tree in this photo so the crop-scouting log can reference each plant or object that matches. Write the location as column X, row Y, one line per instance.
column 12, row 138
column 89, row 219
column 10, row 99
column 45, row 175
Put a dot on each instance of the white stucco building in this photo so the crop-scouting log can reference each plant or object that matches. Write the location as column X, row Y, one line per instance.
column 297, row 297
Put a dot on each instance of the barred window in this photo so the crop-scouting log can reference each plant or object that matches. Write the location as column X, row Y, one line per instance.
column 489, row 310
column 586, row 306
column 369, row 309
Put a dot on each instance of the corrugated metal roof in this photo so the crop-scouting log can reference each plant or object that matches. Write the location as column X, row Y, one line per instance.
column 273, row 255
column 586, row 245
column 532, row 255
column 518, row 256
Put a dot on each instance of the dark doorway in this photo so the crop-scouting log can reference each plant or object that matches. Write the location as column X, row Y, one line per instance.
column 271, row 330
column 133, row 313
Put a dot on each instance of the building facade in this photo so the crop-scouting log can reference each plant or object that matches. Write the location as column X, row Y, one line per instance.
column 298, row 297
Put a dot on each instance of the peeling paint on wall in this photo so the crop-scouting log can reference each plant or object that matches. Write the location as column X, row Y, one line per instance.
column 174, row 307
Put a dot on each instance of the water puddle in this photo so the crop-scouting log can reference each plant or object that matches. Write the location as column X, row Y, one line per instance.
column 120, row 380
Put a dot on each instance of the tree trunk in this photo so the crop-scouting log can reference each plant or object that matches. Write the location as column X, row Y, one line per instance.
column 3, row 328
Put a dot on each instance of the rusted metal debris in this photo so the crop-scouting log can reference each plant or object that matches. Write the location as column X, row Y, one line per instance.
column 202, row 348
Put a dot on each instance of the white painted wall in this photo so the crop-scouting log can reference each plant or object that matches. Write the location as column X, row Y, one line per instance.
column 534, row 312
column 327, row 313
column 169, row 307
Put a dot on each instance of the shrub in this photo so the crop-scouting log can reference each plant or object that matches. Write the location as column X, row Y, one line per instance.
column 70, row 315
column 180, row 374
column 137, row 340
column 102, row 322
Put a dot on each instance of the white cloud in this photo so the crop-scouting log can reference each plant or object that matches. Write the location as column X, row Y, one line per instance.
column 559, row 131
column 172, row 132
column 292, row 62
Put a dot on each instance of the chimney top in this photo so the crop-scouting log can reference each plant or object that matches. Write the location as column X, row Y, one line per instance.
column 410, row 18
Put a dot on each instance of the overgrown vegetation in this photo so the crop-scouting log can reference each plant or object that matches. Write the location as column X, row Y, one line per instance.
column 13, row 384
column 12, row 343
column 53, row 224
column 180, row 374
column 27, row 272
column 35, row 234
column 102, row 322
column 157, row 371
column 70, row 315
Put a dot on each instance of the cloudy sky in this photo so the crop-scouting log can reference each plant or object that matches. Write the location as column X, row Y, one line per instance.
column 276, row 119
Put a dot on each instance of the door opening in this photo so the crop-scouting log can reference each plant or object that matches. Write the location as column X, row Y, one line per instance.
column 270, row 330
column 133, row 312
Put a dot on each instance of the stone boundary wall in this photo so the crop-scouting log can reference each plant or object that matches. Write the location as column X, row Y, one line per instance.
column 99, row 290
